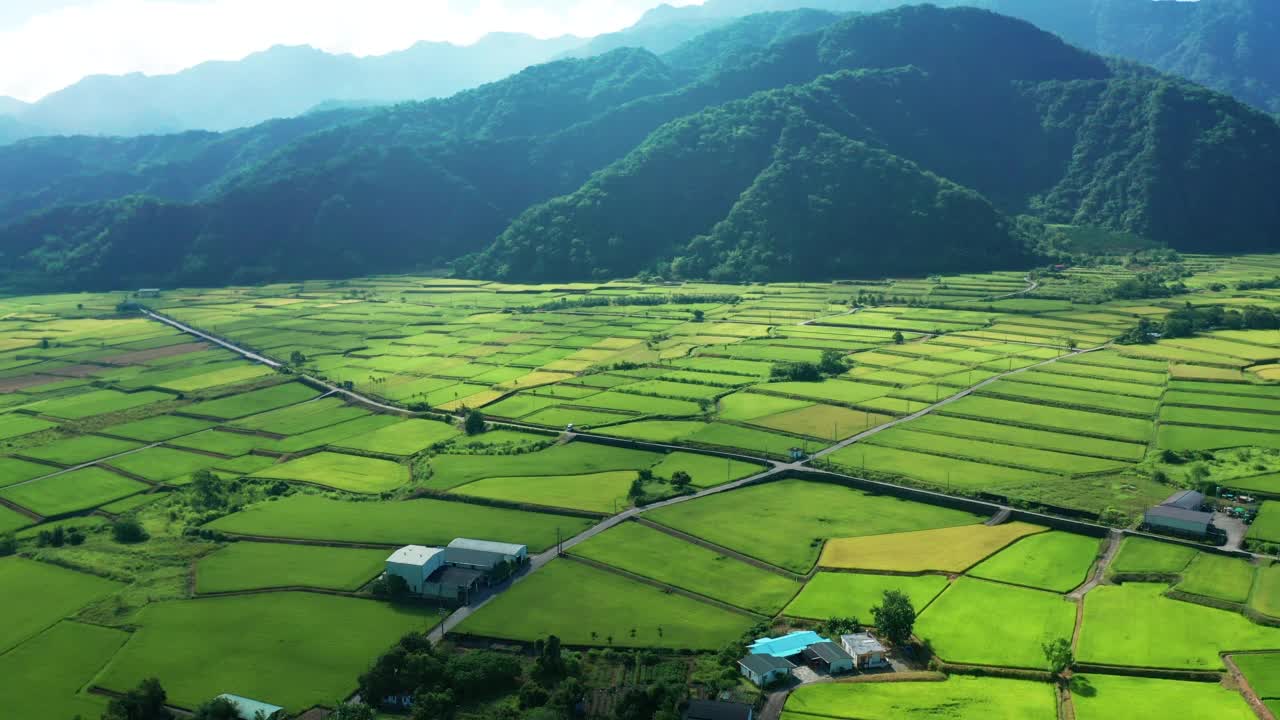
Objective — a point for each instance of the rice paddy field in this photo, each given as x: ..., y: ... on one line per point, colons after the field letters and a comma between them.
x: 968, y: 385
x: 1108, y: 696
x: 958, y: 698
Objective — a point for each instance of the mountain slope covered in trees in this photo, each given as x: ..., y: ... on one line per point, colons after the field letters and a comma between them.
x: 916, y: 140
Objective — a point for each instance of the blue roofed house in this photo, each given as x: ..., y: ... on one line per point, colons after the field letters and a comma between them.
x: 788, y: 645
x: 769, y: 659
x: 249, y: 709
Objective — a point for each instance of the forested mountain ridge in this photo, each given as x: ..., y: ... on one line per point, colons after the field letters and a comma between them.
x: 1077, y: 141
x: 929, y: 132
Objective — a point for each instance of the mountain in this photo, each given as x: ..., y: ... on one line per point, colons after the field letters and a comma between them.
x: 12, y: 106
x: 912, y: 141
x: 1226, y: 45
x: 278, y: 83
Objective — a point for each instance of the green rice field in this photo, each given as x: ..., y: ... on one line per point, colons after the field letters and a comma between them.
x: 1056, y: 561
x: 800, y: 515
x: 958, y: 698
x: 1133, y: 624
x: 76, y: 490
x: 1215, y: 576
x: 1100, y: 697
x: 353, y: 473
x: 843, y: 594
x: 958, y: 625
x: 1142, y: 555
x: 421, y: 522
x: 252, y: 566
x: 604, y: 610
x: 62, y: 592
x: 604, y: 492
x: 46, y: 675
x: 653, y: 554
x: 285, y: 658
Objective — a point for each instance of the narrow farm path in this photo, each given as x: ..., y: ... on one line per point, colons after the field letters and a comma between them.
x: 1255, y: 703
x: 1114, y: 539
x: 1077, y: 596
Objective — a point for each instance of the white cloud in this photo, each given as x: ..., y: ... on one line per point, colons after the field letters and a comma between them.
x: 57, y: 47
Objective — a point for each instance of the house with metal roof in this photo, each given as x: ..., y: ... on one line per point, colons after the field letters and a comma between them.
x: 828, y: 657
x: 1180, y: 515
x: 513, y: 552
x: 867, y: 651
x: 415, y: 563
x: 717, y: 710
x: 249, y: 709
x: 765, y: 669
x: 788, y: 645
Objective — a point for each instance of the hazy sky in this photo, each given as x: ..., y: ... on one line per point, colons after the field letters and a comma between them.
x: 46, y: 45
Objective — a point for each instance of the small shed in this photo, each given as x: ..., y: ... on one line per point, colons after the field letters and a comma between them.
x: 716, y: 710
x: 765, y: 669
x: 828, y: 657
x: 415, y: 564
x: 512, y: 551
x: 867, y: 651
x: 249, y: 709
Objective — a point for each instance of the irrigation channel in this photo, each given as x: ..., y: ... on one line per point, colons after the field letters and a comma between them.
x: 776, y: 470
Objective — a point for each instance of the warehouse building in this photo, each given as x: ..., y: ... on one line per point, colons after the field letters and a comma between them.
x: 415, y: 564
x: 1180, y: 515
x: 512, y: 552
x: 453, y: 573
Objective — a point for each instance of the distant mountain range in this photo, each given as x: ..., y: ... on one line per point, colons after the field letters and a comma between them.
x: 1228, y: 45
x: 791, y: 145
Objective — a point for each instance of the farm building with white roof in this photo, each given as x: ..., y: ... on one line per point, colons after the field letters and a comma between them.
x: 512, y: 551
x: 415, y: 563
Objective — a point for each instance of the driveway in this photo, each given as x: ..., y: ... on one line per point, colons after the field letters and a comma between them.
x: 1235, y: 529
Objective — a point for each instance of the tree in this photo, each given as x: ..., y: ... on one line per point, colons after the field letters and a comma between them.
x: 681, y: 480
x: 1059, y: 655
x: 44, y: 343
x: 145, y: 702
x: 699, y: 315
x: 474, y: 424
x: 550, y: 663
x: 439, y: 705
x: 8, y: 544
x: 217, y: 709
x: 206, y: 490
x: 353, y: 711
x: 128, y: 530
x: 296, y: 358
x: 833, y: 363
x: 899, y: 338
x: 895, y: 617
